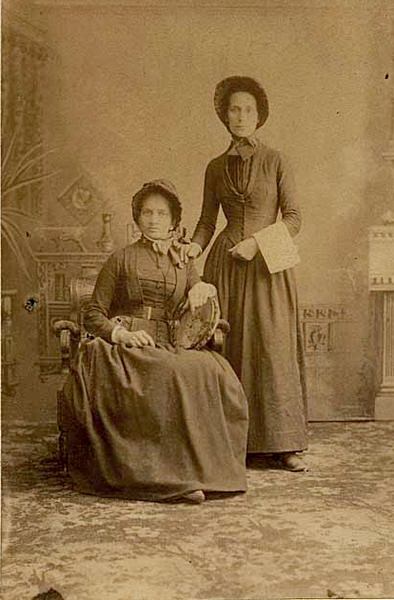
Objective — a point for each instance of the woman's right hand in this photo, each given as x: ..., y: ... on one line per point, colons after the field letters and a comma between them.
x: 198, y: 295
x: 189, y: 251
x: 134, y: 339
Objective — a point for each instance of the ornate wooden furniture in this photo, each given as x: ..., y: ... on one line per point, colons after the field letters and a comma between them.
x: 381, y: 284
x: 9, y: 379
x: 56, y: 271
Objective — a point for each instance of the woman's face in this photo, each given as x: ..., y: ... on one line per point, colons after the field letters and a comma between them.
x: 155, y: 218
x: 242, y: 114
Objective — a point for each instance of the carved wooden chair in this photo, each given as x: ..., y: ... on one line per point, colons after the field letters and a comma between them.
x: 72, y: 333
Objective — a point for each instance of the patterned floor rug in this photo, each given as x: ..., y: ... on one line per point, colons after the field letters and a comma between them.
x: 325, y: 533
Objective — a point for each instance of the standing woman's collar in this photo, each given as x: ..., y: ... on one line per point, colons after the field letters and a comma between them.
x: 243, y: 147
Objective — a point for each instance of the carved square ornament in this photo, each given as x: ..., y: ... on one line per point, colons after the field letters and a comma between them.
x: 317, y: 337
x: 82, y: 200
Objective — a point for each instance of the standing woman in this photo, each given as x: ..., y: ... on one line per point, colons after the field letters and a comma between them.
x: 251, y: 263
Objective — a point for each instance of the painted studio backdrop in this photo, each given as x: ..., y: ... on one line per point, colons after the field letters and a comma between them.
x: 97, y: 100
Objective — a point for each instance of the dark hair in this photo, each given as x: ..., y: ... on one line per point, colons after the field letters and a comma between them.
x: 167, y: 191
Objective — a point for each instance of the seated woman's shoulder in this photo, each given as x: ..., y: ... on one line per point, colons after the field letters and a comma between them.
x: 118, y: 255
x: 131, y: 246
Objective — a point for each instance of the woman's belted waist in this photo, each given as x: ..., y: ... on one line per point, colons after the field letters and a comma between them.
x: 151, y: 319
x: 150, y: 313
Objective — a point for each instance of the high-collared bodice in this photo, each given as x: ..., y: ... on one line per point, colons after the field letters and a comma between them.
x: 156, y: 275
x: 251, y: 195
x: 132, y: 279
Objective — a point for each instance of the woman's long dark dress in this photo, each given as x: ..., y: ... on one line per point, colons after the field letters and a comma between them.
x: 151, y: 423
x: 265, y: 343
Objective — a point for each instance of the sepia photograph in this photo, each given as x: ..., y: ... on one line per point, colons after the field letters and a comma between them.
x: 197, y: 299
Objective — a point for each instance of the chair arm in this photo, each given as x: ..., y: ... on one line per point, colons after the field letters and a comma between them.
x: 69, y: 334
x: 219, y: 335
x: 224, y: 326
x: 70, y: 326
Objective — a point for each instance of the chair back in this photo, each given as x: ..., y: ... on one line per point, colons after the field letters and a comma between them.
x: 81, y: 290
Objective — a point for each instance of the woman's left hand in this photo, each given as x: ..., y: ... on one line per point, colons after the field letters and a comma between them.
x: 245, y: 250
x: 199, y: 294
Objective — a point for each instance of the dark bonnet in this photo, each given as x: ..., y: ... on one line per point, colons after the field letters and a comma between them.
x: 238, y: 83
x: 158, y: 186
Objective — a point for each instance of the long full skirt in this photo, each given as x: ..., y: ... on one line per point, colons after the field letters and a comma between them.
x: 264, y: 346
x: 154, y: 423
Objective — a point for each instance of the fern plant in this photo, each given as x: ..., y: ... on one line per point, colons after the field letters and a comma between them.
x: 15, y: 177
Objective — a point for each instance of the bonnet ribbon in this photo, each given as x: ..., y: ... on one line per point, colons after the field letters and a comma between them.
x: 243, y: 147
x: 170, y: 246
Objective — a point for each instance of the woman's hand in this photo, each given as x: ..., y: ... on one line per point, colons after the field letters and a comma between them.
x: 199, y: 294
x: 245, y: 250
x: 134, y: 339
x: 189, y: 251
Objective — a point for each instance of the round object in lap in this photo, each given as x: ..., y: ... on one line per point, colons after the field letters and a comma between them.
x: 193, y: 330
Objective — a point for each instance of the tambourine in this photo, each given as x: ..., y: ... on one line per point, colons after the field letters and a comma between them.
x: 189, y: 330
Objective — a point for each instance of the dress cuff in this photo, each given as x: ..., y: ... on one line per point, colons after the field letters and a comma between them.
x: 277, y: 247
x: 115, y: 333
x: 199, y: 245
x: 212, y: 290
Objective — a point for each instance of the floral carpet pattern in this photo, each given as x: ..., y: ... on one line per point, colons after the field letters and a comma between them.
x: 325, y: 533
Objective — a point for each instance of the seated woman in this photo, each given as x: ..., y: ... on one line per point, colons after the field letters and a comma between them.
x: 145, y: 420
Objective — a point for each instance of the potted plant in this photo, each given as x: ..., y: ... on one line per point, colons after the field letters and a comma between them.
x: 17, y: 175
